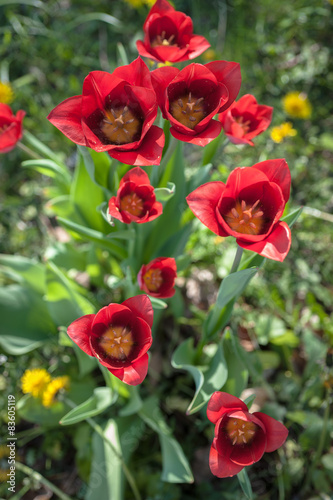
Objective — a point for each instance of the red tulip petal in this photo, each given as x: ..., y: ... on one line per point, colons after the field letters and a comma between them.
x: 113, y: 313
x: 67, y: 118
x: 143, y: 337
x: 136, y: 175
x: 277, y: 171
x: 203, y: 138
x: 136, y: 74
x: 229, y: 74
x: 222, y: 466
x: 6, y: 111
x: 276, y: 246
x: 148, y: 153
x: 198, y: 44
x: 135, y: 373
x: 161, y: 78
x: 10, y: 136
x: 161, y: 7
x: 141, y: 306
x: 221, y: 403
x: 276, y: 433
x: 203, y: 202
x: 80, y: 331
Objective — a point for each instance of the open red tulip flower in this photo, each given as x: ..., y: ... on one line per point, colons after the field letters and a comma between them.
x: 248, y: 207
x: 168, y: 35
x: 119, y: 336
x: 191, y: 97
x: 158, y: 277
x: 241, y: 438
x: 245, y: 119
x: 135, y: 200
x: 10, y: 128
x: 115, y: 113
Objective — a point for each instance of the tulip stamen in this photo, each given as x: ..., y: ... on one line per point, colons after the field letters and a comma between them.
x: 133, y: 204
x: 121, y: 125
x: 245, y: 218
x: 240, y: 432
x: 153, y: 279
x: 117, y: 342
x: 188, y: 110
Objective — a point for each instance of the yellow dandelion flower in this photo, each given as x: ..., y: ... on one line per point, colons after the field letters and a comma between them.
x: 53, y: 388
x: 284, y: 130
x: 297, y: 105
x: 6, y: 93
x: 34, y: 381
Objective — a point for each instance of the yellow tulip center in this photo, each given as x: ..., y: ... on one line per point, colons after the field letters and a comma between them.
x: 245, y: 218
x: 188, y: 110
x: 117, y: 342
x: 133, y: 204
x: 120, y: 125
x: 153, y: 279
x: 240, y: 432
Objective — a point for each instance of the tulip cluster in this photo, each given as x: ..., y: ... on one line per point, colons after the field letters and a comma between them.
x: 116, y: 114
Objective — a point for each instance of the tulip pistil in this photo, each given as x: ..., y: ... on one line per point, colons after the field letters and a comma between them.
x: 132, y: 204
x: 117, y: 342
x: 153, y: 279
x: 188, y: 110
x: 120, y: 125
x: 239, y: 431
x: 245, y: 218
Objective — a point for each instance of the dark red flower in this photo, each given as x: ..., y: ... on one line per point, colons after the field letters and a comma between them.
x: 190, y: 98
x: 115, y: 113
x: 168, y: 35
x: 158, y: 277
x: 241, y: 438
x: 248, y: 207
x: 245, y: 119
x: 119, y: 336
x: 135, y: 200
x: 10, y: 128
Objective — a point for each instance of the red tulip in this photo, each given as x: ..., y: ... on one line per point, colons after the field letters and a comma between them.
x: 169, y: 35
x: 115, y: 113
x: 248, y: 207
x: 10, y: 128
x: 245, y: 119
x: 241, y: 438
x: 135, y: 200
x: 119, y: 336
x: 190, y: 98
x: 158, y: 277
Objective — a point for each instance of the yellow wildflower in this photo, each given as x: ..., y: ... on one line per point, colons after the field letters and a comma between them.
x: 34, y: 381
x: 166, y: 63
x: 209, y: 55
x: 6, y: 93
x: 53, y: 388
x: 139, y: 3
x: 297, y: 105
x: 284, y: 130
